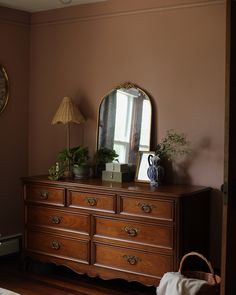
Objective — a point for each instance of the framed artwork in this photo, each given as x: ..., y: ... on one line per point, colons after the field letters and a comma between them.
x: 4, y: 88
x: 141, y: 171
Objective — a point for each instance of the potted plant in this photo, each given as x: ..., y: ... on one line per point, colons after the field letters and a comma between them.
x: 102, y: 156
x: 173, y: 146
x: 77, y: 157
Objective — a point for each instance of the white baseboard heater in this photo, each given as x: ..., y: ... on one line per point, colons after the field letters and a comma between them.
x: 10, y: 244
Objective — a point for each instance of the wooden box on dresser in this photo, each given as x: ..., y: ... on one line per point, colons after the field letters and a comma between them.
x: 112, y: 230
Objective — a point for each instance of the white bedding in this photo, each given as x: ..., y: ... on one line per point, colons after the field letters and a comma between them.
x: 174, y: 283
x: 7, y: 292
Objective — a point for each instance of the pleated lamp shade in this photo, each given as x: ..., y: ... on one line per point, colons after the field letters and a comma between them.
x: 68, y: 112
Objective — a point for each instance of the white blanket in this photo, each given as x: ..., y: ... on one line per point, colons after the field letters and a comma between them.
x: 174, y: 283
x: 7, y: 292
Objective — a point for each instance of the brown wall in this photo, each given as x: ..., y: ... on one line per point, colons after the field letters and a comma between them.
x: 14, y: 56
x: 176, y: 53
x: 175, y: 49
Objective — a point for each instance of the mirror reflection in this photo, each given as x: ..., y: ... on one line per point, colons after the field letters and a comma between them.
x: 124, y: 122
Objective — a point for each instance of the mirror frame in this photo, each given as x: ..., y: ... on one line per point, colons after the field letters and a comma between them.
x: 126, y: 86
x: 5, y: 90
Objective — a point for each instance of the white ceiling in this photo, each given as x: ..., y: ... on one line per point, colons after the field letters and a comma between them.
x: 40, y: 5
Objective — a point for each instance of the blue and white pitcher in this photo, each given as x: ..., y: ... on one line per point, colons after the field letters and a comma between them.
x: 155, y: 171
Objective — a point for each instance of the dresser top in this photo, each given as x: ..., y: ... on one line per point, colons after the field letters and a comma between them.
x: 177, y: 190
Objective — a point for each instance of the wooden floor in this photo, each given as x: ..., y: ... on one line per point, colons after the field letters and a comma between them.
x: 52, y: 280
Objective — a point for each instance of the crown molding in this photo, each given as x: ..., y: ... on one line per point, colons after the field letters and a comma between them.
x: 14, y: 16
x: 69, y: 15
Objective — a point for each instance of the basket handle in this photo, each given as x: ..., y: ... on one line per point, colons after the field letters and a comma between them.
x: 200, y: 256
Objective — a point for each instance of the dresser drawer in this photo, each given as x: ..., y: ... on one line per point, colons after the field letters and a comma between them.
x: 134, y: 261
x: 45, y: 194
x: 144, y: 233
x: 93, y: 201
x: 58, y: 219
x: 56, y: 245
x: 152, y: 208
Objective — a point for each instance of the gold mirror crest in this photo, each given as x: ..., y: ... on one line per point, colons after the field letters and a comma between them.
x: 126, y: 85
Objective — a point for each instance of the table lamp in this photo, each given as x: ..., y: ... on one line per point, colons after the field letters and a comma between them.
x: 68, y: 113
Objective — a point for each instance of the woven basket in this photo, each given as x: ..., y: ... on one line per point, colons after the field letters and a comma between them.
x: 212, y: 286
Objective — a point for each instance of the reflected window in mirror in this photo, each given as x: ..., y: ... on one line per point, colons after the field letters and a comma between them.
x: 124, y: 122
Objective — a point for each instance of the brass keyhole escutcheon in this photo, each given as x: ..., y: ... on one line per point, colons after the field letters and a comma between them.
x: 131, y: 231
x: 131, y: 259
x: 44, y: 195
x: 56, y: 219
x: 92, y: 201
x: 55, y: 245
x: 146, y: 208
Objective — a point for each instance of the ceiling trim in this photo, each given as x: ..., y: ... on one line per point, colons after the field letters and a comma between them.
x: 14, y: 17
x: 69, y: 19
x: 33, y: 6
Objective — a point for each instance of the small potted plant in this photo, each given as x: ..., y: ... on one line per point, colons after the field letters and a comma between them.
x: 173, y: 146
x: 102, y: 156
x: 77, y: 157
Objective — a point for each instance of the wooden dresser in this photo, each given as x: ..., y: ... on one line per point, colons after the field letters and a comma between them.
x: 112, y: 230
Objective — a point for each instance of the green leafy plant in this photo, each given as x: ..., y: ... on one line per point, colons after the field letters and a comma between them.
x: 105, y: 155
x: 173, y: 145
x: 76, y: 160
x: 102, y: 156
x: 75, y: 156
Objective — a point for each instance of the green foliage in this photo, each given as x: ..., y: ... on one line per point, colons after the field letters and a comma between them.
x: 105, y: 155
x: 64, y: 155
x: 173, y: 145
x: 76, y: 156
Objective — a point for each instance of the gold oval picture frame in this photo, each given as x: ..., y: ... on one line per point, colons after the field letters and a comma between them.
x: 4, y: 88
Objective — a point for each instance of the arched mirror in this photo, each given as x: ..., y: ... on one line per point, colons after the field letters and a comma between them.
x: 3, y: 88
x: 124, y: 122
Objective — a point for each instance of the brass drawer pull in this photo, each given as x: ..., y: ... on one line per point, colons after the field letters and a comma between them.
x: 147, y: 208
x: 132, y: 260
x: 55, y: 245
x: 92, y: 201
x: 56, y: 219
x: 131, y: 231
x: 44, y: 195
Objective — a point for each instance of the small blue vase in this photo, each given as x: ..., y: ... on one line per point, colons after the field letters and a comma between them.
x: 155, y: 171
